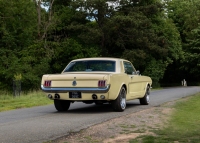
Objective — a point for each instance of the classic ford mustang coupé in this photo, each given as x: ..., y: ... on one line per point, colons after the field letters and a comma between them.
x: 97, y: 80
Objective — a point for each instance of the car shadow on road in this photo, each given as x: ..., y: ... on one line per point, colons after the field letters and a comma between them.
x: 92, y: 109
x: 104, y: 108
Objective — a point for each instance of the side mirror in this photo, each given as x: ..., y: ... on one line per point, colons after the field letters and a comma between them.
x: 138, y: 72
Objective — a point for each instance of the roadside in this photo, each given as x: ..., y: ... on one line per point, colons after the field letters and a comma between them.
x: 124, y: 128
x: 175, y: 122
x: 32, y: 99
x: 116, y: 129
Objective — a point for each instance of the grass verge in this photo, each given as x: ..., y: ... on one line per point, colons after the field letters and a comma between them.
x: 9, y: 102
x: 183, y: 126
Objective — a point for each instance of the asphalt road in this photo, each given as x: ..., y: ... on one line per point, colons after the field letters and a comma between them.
x: 44, y: 123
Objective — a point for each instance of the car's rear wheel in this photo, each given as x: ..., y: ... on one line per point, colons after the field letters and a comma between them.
x: 119, y: 104
x: 146, y: 99
x: 61, y: 105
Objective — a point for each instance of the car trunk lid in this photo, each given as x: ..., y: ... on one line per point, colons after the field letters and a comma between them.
x: 76, y: 79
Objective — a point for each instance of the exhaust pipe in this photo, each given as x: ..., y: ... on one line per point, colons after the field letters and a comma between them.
x: 57, y: 96
x: 50, y: 96
x: 94, y: 96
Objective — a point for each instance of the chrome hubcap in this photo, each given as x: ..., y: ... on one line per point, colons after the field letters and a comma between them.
x: 123, y: 99
x: 147, y: 96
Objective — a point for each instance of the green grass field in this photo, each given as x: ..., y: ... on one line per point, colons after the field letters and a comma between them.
x: 183, y: 127
x: 9, y: 102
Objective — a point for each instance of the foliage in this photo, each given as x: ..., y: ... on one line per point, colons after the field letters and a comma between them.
x: 145, y: 37
x: 68, y: 50
x: 17, y: 28
x: 185, y: 15
x: 67, y: 38
x: 149, y: 33
x: 17, y: 76
x: 192, y: 56
x: 155, y: 69
x: 34, y: 66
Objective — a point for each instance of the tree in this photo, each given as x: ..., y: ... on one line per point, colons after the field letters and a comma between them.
x: 185, y: 15
x: 143, y: 33
x: 64, y: 36
x: 35, y: 41
x: 192, y: 54
x: 17, y: 32
x: 139, y: 31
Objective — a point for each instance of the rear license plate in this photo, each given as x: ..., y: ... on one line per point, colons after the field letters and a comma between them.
x: 75, y: 95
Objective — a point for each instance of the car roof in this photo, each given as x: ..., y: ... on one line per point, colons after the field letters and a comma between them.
x: 100, y: 58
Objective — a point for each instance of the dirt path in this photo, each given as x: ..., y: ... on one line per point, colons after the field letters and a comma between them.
x: 124, y: 128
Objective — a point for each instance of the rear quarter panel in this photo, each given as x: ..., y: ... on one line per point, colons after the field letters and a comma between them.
x: 116, y: 82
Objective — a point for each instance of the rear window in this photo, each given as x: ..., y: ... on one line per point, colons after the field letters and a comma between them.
x: 90, y: 66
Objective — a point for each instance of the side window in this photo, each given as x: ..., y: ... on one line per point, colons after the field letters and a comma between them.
x: 129, y: 69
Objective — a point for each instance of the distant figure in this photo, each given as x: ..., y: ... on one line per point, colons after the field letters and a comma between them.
x: 184, y: 82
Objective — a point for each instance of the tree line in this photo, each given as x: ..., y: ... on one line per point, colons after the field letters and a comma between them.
x: 161, y: 38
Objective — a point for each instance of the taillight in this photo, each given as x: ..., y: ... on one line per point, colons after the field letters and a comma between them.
x: 101, y: 83
x: 47, y: 83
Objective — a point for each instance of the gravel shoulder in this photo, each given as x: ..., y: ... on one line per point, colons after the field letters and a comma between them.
x: 124, y: 128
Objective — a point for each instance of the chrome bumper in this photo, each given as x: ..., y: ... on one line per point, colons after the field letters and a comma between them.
x: 72, y: 89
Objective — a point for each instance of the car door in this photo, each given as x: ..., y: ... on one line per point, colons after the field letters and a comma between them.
x: 134, y: 83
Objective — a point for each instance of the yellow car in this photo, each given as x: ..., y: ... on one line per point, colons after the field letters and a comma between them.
x: 97, y: 80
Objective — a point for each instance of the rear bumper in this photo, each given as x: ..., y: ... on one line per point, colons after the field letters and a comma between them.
x: 72, y: 89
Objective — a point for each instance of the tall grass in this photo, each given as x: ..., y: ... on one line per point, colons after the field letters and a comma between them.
x: 183, y: 127
x: 36, y: 98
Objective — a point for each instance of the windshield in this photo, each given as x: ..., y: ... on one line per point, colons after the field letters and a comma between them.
x: 91, y: 65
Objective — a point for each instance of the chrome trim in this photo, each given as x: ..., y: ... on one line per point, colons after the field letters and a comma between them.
x: 71, y: 89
